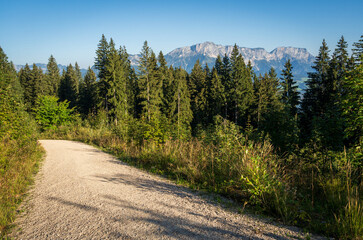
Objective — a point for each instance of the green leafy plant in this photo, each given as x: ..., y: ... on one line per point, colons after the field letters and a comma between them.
x: 49, y: 113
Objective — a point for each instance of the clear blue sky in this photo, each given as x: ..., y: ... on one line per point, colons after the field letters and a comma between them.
x: 30, y: 31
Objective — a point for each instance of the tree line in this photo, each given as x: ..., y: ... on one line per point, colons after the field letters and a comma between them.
x: 180, y: 105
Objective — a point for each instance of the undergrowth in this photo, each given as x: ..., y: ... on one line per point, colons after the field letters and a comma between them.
x: 19, y: 157
x: 319, y: 192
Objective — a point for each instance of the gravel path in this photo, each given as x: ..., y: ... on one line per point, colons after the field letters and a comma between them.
x: 83, y: 193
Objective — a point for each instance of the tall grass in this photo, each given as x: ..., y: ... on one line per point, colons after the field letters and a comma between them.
x: 19, y: 156
x: 318, y: 191
x: 18, y: 163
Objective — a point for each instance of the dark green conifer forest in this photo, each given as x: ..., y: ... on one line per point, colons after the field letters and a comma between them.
x: 256, y: 139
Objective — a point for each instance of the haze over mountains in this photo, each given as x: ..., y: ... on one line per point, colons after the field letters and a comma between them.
x: 261, y: 59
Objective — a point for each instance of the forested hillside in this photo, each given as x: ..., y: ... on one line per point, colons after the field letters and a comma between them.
x: 223, y: 128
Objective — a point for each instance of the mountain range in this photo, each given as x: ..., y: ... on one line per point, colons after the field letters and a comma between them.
x: 43, y: 66
x: 207, y: 53
x: 261, y: 60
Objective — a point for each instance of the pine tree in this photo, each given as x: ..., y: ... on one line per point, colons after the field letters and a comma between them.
x: 261, y: 96
x: 358, y: 51
x: 219, y: 65
x: 131, y: 82
x: 166, y: 78
x: 14, y: 123
x: 116, y: 78
x: 8, y: 74
x: 100, y: 64
x: 207, y: 72
x: 226, y: 79
x: 330, y: 123
x: 338, y: 66
x: 78, y: 74
x: 352, y: 105
x: 27, y: 85
x: 133, y: 92
x: 39, y: 85
x: 68, y: 89
x: 181, y: 112
x: 150, y: 86
x: 320, y: 120
x: 215, y: 96
x: 101, y: 56
x: 197, y: 88
x: 290, y: 95
x: 169, y: 93
x: 267, y: 95
x: 313, y: 104
x: 88, y: 93
x: 52, y: 76
x: 241, y: 91
x: 270, y: 116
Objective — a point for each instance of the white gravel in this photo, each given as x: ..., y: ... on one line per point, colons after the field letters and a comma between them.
x: 83, y: 193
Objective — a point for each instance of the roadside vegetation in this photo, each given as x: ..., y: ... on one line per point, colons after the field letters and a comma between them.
x: 254, y: 139
x: 19, y: 152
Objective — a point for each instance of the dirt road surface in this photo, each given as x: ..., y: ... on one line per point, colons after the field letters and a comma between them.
x: 83, y: 193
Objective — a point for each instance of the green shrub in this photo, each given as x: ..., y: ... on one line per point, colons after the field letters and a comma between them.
x: 19, y: 156
x: 49, y: 113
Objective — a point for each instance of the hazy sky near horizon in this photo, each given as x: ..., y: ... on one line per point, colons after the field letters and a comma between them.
x: 30, y: 31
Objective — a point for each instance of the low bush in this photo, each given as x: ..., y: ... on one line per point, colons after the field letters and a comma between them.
x: 19, y: 157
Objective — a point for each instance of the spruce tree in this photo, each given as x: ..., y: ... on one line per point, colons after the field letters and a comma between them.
x: 88, y: 93
x: 150, y: 86
x: 358, y: 51
x: 219, y: 65
x: 267, y: 95
x: 52, y: 76
x: 133, y: 92
x: 101, y: 56
x: 116, y: 78
x: 290, y: 95
x: 339, y: 65
x: 352, y: 105
x: 320, y: 120
x: 131, y: 82
x: 68, y: 89
x: 8, y: 74
x: 241, y: 91
x: 13, y: 121
x: 27, y: 85
x: 100, y: 64
x: 77, y: 69
x: 181, y: 112
x: 166, y: 78
x: 226, y: 79
x: 169, y: 93
x: 261, y: 97
x: 331, y: 124
x: 197, y: 87
x: 312, y: 104
x: 215, y: 96
x: 270, y: 117
x: 39, y: 85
